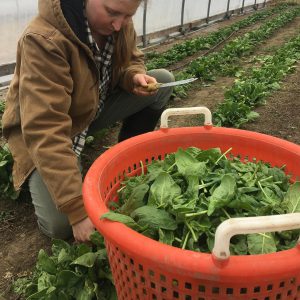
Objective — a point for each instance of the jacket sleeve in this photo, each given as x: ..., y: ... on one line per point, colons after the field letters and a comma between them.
x: 45, y: 99
x: 136, y: 63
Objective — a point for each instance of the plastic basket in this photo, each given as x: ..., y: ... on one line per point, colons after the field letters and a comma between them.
x: 146, y: 269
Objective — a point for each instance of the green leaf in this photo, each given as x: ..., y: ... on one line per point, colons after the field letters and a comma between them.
x: 163, y: 190
x: 67, y: 279
x: 154, y: 218
x: 135, y: 200
x: 188, y: 165
x: 292, y: 198
x: 45, y: 263
x: 261, y: 243
x: 97, y: 239
x: 63, y: 256
x: 222, y: 194
x: 45, y: 281
x: 116, y: 217
x: 38, y: 296
x: 86, y: 260
x: 166, y: 236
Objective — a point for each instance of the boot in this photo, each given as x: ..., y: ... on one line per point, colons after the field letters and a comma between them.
x: 140, y: 122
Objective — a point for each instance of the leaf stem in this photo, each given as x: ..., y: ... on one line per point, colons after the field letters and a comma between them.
x: 191, y: 230
x: 226, y: 213
x: 223, y: 155
x: 203, y: 212
x: 142, y: 166
x: 169, y: 169
x: 185, y: 240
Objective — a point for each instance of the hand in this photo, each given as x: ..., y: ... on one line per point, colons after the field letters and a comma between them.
x: 140, y: 82
x: 82, y: 230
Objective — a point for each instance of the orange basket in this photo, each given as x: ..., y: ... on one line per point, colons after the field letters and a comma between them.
x: 143, y: 268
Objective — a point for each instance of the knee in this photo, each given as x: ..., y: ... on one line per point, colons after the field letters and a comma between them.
x: 161, y: 75
x: 57, y: 229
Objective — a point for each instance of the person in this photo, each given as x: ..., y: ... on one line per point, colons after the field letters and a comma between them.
x: 78, y: 70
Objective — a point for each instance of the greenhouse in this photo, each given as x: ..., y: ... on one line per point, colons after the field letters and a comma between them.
x: 150, y: 149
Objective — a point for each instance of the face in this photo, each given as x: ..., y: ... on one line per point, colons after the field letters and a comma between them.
x: 107, y: 16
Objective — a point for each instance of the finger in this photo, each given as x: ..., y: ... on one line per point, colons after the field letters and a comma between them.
x: 144, y: 92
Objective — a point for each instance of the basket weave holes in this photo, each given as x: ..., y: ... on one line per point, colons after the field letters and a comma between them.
x: 201, y: 288
x: 188, y: 285
x: 175, y: 283
x: 133, y: 273
x: 293, y: 280
x: 175, y: 295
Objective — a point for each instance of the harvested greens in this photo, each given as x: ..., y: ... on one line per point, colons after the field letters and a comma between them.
x: 181, y: 200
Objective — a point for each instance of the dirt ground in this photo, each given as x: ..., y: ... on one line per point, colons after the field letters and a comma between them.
x: 20, y: 240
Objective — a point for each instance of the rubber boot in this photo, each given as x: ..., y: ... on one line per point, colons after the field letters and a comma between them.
x: 140, y: 122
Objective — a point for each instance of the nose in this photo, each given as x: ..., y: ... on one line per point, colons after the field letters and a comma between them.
x: 117, y: 24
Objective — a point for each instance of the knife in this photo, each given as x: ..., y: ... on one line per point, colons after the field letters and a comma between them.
x: 155, y: 86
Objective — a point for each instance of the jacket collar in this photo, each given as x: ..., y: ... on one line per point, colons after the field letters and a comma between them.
x: 67, y: 16
x: 73, y: 13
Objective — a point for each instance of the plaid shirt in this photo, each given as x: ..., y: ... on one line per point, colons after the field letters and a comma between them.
x: 103, y: 59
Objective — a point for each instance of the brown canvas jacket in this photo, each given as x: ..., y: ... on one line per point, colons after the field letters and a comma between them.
x: 54, y: 96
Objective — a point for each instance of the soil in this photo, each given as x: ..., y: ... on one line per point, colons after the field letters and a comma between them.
x: 20, y: 238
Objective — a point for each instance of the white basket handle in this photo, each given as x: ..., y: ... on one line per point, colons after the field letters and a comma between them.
x: 227, y: 229
x: 185, y: 111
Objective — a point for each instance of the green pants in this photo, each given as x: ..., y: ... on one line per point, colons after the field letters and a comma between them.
x: 118, y: 106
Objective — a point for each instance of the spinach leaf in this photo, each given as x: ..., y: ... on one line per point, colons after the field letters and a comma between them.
x: 222, y: 194
x: 163, y: 190
x: 154, y: 218
x: 261, y: 243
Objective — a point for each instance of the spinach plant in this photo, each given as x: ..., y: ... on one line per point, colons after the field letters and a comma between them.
x: 6, y: 182
x: 71, y: 272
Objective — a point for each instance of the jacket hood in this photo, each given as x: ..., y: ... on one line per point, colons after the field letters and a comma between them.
x: 65, y: 15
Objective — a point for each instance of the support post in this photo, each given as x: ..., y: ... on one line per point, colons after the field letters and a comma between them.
x: 243, y: 6
x: 182, y: 17
x: 208, y: 11
x: 145, y: 42
x: 227, y: 16
x: 255, y: 5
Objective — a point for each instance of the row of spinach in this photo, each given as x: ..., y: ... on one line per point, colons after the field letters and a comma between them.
x: 252, y: 87
x: 182, y: 50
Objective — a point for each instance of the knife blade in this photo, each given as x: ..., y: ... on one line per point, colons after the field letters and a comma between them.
x: 155, y: 86
x: 179, y: 82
